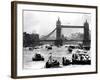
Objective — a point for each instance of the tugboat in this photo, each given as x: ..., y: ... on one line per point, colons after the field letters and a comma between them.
x: 51, y: 63
x: 38, y: 57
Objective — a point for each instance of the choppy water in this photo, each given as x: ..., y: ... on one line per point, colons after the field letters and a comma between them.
x: 57, y: 53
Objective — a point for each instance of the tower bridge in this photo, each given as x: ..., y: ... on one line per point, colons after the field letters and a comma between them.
x: 59, y: 41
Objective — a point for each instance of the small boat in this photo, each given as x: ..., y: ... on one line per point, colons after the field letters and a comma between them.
x: 65, y: 61
x: 52, y: 64
x: 38, y: 57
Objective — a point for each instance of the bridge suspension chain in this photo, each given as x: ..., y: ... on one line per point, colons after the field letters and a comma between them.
x: 45, y: 37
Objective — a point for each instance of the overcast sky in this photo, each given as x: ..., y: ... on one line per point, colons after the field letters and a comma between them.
x: 44, y: 22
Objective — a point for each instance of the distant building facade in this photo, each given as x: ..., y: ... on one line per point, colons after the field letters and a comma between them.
x: 30, y: 40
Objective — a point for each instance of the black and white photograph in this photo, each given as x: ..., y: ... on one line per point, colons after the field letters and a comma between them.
x: 56, y: 39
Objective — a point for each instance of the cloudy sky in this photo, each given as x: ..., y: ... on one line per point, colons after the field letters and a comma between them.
x: 43, y: 23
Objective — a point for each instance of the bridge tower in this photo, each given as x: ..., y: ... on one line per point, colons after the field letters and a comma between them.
x: 58, y: 41
x: 86, y: 37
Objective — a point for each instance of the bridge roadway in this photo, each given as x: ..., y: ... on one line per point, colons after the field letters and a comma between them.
x: 55, y: 40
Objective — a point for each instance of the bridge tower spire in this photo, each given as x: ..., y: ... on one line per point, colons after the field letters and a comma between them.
x: 58, y: 28
x: 58, y: 33
x: 86, y: 38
